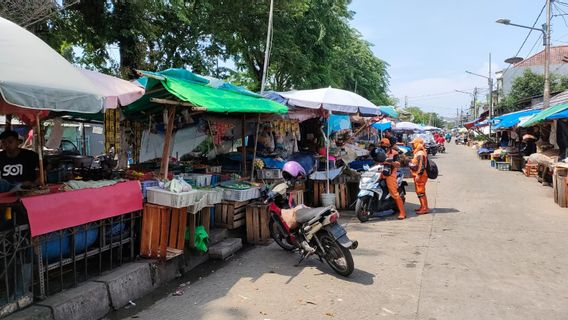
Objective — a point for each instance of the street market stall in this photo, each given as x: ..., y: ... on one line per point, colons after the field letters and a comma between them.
x: 51, y: 232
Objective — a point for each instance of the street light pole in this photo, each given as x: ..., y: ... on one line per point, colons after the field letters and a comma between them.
x: 546, y: 41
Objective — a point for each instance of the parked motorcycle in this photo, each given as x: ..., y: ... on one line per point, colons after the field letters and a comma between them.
x: 314, y: 231
x: 374, y: 196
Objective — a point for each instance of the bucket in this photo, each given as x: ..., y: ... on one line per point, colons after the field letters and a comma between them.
x: 328, y: 199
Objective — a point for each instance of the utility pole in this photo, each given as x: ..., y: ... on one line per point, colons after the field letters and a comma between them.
x: 490, y: 80
x: 405, y: 102
x: 457, y: 117
x: 267, y: 51
x: 546, y: 96
x: 475, y: 103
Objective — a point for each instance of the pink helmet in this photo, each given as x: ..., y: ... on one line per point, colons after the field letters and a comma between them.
x: 292, y: 170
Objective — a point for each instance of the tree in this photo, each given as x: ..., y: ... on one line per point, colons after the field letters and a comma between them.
x: 313, y: 44
x: 425, y: 118
x: 529, y: 85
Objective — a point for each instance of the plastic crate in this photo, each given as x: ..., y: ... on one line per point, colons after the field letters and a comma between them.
x: 269, y: 174
x: 241, y: 195
x: 199, y: 180
x: 213, y: 169
x: 148, y: 184
x: 503, y: 166
x: 171, y: 199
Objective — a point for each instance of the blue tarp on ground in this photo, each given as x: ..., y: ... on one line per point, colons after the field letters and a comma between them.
x: 510, y: 120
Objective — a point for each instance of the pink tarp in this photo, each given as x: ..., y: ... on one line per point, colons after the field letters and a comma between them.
x: 115, y: 90
x: 52, y: 212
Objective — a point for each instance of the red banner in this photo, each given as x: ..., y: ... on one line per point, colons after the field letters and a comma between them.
x: 52, y: 212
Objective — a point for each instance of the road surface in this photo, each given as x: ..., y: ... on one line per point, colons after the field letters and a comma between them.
x: 494, y: 248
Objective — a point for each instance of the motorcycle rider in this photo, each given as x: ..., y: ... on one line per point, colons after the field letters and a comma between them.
x: 393, y: 163
x: 418, y: 168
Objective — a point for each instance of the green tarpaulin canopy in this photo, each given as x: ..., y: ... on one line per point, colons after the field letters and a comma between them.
x: 196, y: 90
x: 541, y: 116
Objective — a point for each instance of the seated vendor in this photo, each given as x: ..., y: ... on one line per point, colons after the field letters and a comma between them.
x: 17, y: 165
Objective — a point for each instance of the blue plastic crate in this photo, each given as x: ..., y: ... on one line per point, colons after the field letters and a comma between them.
x: 148, y: 184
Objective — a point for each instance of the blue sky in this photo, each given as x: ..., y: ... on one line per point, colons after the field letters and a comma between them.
x: 430, y: 44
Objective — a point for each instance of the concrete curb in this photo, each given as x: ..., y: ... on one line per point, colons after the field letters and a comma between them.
x: 89, y: 301
x: 127, y: 283
x: 94, y: 299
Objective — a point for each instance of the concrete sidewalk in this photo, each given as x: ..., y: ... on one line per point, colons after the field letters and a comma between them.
x: 493, y: 249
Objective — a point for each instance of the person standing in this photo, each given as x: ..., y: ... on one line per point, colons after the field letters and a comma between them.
x: 393, y: 162
x: 418, y: 168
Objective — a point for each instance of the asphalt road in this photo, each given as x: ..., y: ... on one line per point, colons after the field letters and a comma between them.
x: 494, y: 248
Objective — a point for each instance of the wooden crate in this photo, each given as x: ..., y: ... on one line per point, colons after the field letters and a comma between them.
x: 257, y: 218
x: 230, y: 214
x: 298, y: 196
x: 163, y: 231
x: 531, y: 170
x: 201, y: 218
x: 340, y: 190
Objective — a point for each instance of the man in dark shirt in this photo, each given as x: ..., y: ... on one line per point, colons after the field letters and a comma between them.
x: 17, y: 165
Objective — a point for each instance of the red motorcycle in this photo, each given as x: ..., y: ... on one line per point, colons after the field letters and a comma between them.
x: 310, y: 230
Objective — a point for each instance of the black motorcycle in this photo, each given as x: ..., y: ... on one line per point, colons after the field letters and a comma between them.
x: 311, y: 231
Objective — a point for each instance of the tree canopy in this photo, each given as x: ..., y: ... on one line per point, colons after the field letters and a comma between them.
x: 529, y: 85
x: 313, y: 43
x: 425, y: 118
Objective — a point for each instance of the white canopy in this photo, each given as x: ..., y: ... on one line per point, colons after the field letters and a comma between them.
x: 407, y: 126
x: 115, y: 90
x: 34, y: 76
x: 331, y: 99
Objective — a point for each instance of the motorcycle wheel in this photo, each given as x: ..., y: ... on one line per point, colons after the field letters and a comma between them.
x: 362, y: 208
x: 278, y: 237
x: 337, y: 257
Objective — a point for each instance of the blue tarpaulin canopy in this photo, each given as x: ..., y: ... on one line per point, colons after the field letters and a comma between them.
x: 382, y: 125
x: 559, y: 115
x: 510, y: 120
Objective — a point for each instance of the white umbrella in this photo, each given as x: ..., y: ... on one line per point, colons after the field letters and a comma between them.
x: 115, y: 90
x: 34, y: 76
x: 407, y: 126
x: 331, y: 99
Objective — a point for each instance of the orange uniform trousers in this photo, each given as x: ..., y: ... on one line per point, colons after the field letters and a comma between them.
x: 392, y: 184
x: 420, y: 183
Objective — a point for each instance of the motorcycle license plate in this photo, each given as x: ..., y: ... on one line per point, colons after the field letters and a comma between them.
x: 337, y: 231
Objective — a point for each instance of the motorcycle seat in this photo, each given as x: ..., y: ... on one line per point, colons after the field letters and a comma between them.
x: 307, y: 214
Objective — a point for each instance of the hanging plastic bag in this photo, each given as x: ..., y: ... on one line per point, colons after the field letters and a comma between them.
x: 201, y: 239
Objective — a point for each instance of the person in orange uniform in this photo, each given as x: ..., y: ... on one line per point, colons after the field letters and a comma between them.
x: 418, y: 168
x: 392, y: 185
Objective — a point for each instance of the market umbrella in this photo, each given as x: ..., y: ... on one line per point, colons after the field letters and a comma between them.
x: 34, y: 76
x: 34, y: 79
x: 116, y: 91
x: 462, y: 130
x: 407, y: 126
x: 332, y: 100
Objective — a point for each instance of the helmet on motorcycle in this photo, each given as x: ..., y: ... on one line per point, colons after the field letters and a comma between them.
x: 385, y: 142
x: 379, y: 155
x: 292, y: 170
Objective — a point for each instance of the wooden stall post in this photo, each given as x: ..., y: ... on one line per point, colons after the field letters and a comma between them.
x: 244, y: 149
x: 255, y: 147
x: 40, y: 151
x: 167, y: 142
